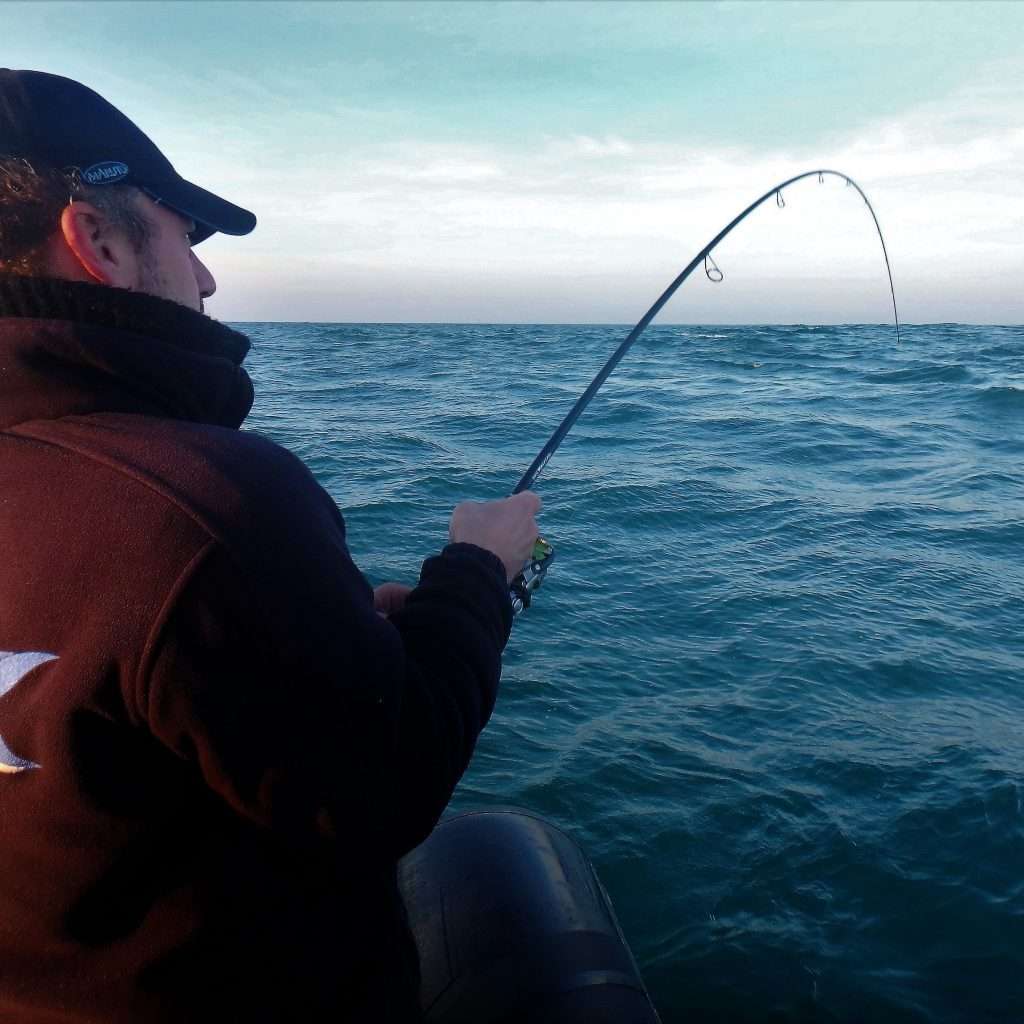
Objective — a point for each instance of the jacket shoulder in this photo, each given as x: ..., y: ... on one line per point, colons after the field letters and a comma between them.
x: 231, y: 483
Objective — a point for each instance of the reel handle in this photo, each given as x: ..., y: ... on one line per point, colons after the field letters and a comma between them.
x: 521, y: 588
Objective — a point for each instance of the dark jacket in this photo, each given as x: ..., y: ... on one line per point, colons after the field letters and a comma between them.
x: 212, y: 749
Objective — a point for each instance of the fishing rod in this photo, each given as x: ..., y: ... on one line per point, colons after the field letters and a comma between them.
x: 522, y: 587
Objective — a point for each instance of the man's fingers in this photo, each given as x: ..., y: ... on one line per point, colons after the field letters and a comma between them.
x: 530, y: 500
x: 506, y: 527
x: 390, y: 597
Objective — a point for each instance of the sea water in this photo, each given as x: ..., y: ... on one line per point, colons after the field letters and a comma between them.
x: 774, y: 683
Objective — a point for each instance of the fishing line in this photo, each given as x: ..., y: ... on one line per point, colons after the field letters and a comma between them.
x: 527, y: 581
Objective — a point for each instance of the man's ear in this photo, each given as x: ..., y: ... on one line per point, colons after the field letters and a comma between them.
x: 102, y: 251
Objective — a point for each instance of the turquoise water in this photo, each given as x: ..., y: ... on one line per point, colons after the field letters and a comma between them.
x: 773, y: 683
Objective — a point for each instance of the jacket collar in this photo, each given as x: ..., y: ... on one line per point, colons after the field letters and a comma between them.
x: 71, y: 348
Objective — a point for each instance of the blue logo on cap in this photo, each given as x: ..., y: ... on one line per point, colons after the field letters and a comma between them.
x: 109, y: 172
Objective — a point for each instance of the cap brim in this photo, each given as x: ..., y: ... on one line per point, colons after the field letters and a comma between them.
x: 210, y: 212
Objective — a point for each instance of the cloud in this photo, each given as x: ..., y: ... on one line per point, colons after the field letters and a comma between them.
x: 447, y: 172
x: 609, y: 218
x: 589, y: 146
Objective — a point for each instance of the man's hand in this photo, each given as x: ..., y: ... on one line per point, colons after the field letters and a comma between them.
x: 506, y: 527
x: 389, y: 598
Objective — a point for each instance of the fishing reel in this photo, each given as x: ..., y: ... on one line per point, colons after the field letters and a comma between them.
x: 522, y: 587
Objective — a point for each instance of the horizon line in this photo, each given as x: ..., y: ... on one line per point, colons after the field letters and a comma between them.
x: 623, y: 323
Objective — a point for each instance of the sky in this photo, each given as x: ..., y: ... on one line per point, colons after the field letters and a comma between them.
x: 561, y: 162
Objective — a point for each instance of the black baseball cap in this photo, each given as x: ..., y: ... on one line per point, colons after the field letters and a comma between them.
x: 67, y: 125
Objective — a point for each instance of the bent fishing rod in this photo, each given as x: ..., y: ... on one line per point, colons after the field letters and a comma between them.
x: 522, y: 587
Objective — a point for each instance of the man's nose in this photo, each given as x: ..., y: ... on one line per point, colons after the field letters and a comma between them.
x: 207, y: 285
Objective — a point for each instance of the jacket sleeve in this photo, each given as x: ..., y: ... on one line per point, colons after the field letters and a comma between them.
x: 305, y: 710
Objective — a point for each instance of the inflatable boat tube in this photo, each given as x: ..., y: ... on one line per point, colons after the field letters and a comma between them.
x: 513, y: 925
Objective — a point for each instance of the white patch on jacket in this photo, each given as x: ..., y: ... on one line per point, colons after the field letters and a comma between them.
x: 13, y: 668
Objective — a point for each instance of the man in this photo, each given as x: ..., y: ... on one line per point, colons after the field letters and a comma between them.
x: 215, y: 739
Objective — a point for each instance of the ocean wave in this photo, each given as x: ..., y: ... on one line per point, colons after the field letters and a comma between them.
x: 950, y: 373
x: 1003, y: 399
